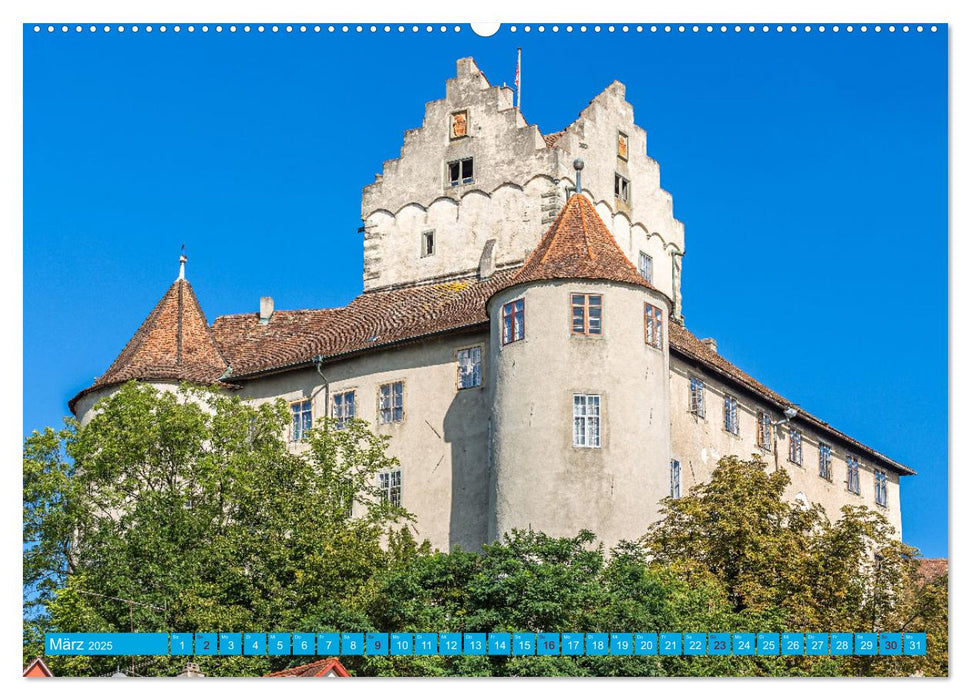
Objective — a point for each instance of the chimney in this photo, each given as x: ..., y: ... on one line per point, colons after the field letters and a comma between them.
x: 710, y: 344
x: 266, y: 309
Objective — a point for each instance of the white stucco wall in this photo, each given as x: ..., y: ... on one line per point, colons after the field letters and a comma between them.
x: 699, y: 444
x: 541, y: 480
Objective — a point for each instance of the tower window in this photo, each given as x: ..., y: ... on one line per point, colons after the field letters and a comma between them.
x: 469, y: 367
x: 427, y: 243
x: 302, y: 419
x: 675, y: 479
x: 587, y: 314
x: 621, y: 187
x: 390, y: 485
x: 826, y: 462
x: 880, y: 487
x: 795, y: 446
x: 391, y: 402
x: 652, y: 325
x: 731, y: 414
x: 459, y: 172
x: 645, y: 265
x: 852, y: 474
x: 697, y: 397
x: 343, y: 409
x: 765, y: 430
x: 586, y: 420
x: 513, y: 321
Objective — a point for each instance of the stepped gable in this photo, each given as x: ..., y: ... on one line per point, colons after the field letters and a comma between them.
x: 578, y: 245
x: 372, y: 320
x: 174, y: 343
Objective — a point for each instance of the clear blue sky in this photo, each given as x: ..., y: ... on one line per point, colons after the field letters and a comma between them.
x: 810, y: 171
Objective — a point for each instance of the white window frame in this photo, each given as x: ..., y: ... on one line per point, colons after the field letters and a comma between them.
x: 853, y: 474
x: 621, y: 188
x: 649, y: 276
x: 393, y: 403
x: 302, y: 419
x: 587, y: 424
x: 880, y: 487
x: 731, y: 414
x: 390, y: 485
x: 825, y: 462
x: 339, y: 407
x: 462, y: 180
x: 696, y: 396
x: 469, y: 367
x: 795, y: 445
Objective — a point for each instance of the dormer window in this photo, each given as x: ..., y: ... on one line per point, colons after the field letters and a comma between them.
x: 621, y: 187
x: 459, y: 172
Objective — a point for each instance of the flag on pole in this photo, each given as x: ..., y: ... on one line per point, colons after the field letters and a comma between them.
x: 519, y: 93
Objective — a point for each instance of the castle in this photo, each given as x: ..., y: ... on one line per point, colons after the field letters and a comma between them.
x: 519, y: 337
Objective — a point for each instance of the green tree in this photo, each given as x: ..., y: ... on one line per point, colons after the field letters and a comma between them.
x: 194, y: 508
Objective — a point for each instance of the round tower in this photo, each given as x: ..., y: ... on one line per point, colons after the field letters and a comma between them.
x: 581, y: 407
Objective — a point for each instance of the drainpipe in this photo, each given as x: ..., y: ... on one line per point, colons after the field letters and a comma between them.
x: 318, y: 361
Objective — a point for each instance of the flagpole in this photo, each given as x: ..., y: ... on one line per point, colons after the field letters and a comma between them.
x: 519, y: 81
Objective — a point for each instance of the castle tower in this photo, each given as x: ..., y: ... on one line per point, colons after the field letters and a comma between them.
x: 581, y: 406
x: 476, y: 186
x: 174, y: 344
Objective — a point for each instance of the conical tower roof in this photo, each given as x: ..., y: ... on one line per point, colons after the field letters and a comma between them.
x: 174, y: 343
x: 578, y: 245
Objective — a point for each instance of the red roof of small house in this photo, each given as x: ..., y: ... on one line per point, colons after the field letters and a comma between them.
x: 316, y: 669
x: 37, y: 669
x: 931, y: 569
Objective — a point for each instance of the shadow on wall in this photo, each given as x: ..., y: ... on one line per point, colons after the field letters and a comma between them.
x: 467, y: 434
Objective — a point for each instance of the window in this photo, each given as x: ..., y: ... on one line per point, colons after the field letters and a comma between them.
x: 645, y: 265
x: 795, y: 446
x: 825, y: 462
x: 427, y: 244
x: 470, y: 367
x: 622, y: 144
x: 765, y: 430
x: 343, y: 409
x: 390, y: 485
x: 698, y: 397
x: 731, y: 414
x: 652, y: 325
x: 459, y: 172
x: 675, y: 479
x: 302, y: 414
x: 586, y: 420
x: 852, y: 474
x: 513, y: 326
x: 391, y: 402
x: 587, y: 314
x: 621, y: 187
x: 880, y: 487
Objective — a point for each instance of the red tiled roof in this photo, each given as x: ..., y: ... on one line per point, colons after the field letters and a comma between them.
x: 315, y: 669
x: 551, y: 139
x: 174, y: 343
x: 578, y: 245
x: 931, y: 569
x: 37, y: 669
x: 685, y: 343
x: 372, y: 320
